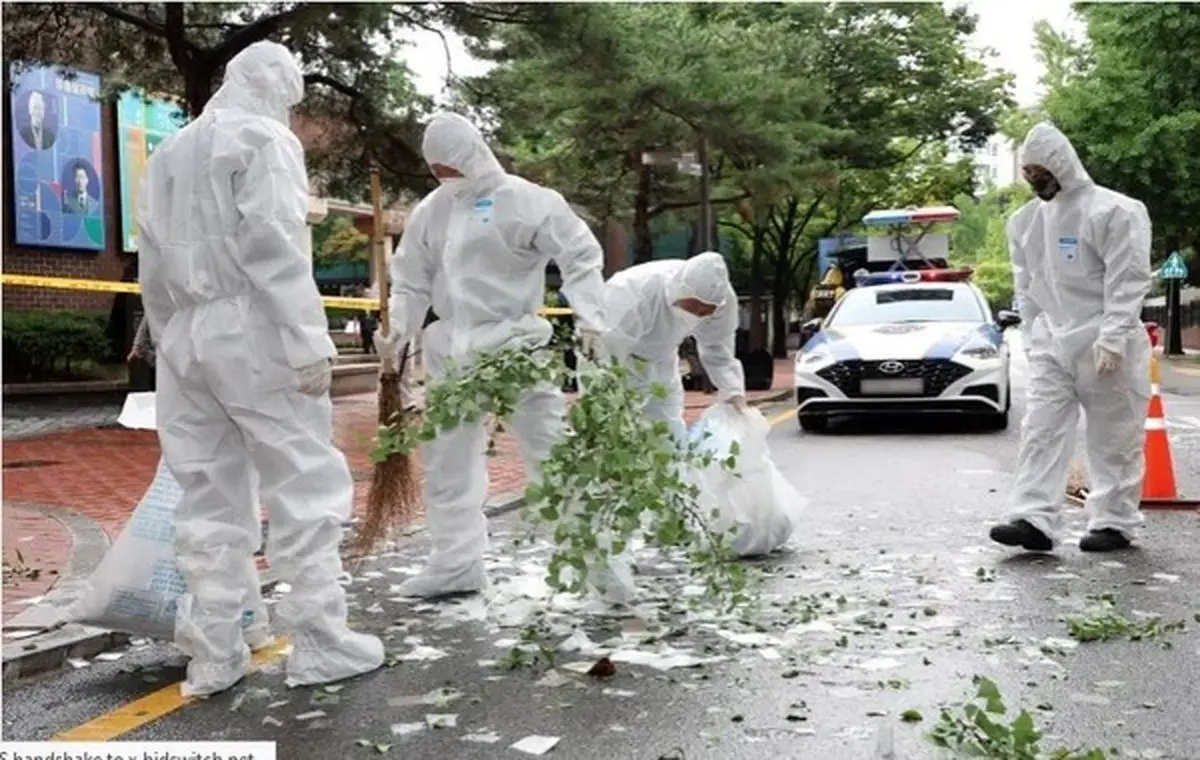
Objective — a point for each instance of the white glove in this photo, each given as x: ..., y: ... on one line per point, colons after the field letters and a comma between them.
x: 591, y: 344
x: 315, y: 379
x: 388, y: 345
x: 738, y: 402
x: 1106, y: 361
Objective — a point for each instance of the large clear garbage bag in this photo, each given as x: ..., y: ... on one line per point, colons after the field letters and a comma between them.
x: 754, y: 500
x: 138, y: 585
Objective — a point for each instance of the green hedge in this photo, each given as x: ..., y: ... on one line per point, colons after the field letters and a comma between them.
x: 50, y: 345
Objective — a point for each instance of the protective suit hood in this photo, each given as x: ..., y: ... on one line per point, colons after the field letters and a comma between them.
x: 263, y: 79
x: 1046, y: 146
x: 703, y: 277
x: 451, y: 140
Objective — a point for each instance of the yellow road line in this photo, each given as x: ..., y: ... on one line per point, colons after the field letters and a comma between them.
x: 151, y: 707
x: 782, y: 417
x: 1186, y: 371
x: 112, y: 286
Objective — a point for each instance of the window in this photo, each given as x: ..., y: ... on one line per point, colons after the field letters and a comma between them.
x: 874, y: 305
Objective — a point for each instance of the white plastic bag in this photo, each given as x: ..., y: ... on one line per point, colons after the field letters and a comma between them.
x: 754, y: 498
x: 138, y: 585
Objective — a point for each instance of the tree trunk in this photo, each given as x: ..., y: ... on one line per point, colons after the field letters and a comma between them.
x: 758, y: 339
x: 643, y: 242
x: 781, y: 296
x: 198, y: 85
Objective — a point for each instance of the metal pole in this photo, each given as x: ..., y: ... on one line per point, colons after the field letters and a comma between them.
x: 1174, y: 345
x: 706, y: 243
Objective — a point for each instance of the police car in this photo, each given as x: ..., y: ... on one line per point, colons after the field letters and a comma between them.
x: 907, y: 341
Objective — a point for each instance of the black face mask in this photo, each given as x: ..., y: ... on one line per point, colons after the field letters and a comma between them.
x: 1045, y: 186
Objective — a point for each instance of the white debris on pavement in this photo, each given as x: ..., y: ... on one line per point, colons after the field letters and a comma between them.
x: 536, y: 745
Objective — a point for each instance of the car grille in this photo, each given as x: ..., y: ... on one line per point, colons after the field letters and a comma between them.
x: 938, y: 374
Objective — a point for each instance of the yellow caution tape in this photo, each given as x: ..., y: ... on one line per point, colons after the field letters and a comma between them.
x: 112, y: 286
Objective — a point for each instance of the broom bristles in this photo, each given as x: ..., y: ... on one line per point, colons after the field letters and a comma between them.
x: 395, y: 495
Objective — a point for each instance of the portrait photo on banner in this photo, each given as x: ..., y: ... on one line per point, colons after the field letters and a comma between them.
x: 57, y: 166
x: 142, y: 123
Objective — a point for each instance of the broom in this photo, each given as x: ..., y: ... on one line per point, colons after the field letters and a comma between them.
x: 395, y: 487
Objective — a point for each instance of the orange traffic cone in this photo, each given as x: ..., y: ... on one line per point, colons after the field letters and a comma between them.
x: 1158, y: 483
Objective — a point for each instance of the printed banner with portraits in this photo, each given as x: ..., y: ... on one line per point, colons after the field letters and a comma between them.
x: 58, y: 172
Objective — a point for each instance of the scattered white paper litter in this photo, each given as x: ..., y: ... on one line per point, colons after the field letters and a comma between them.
x: 441, y: 720
x: 78, y: 663
x: 770, y: 653
x: 482, y: 737
x: 404, y: 729
x: 880, y: 663
x: 311, y: 715
x: 535, y: 745
x: 667, y: 660
x: 270, y: 720
x: 110, y: 656
x: 423, y: 654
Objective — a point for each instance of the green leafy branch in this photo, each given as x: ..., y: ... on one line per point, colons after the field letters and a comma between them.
x: 613, y: 476
x: 487, y: 391
x: 979, y: 729
x: 616, y: 476
x: 1105, y: 623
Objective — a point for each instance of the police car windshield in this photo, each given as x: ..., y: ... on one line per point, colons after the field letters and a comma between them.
x: 873, y: 306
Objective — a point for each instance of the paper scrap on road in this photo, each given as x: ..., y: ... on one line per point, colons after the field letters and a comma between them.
x: 441, y: 720
x: 311, y: 715
x: 423, y: 653
x: 536, y: 745
x: 404, y: 729
x: 482, y: 737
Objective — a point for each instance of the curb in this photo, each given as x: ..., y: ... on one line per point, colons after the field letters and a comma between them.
x: 52, y: 649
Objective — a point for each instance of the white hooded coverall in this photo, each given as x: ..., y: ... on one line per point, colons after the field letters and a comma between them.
x: 645, y: 324
x: 1081, y: 264
x: 243, y: 378
x: 476, y: 248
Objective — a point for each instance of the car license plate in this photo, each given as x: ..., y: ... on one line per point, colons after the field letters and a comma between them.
x: 898, y: 386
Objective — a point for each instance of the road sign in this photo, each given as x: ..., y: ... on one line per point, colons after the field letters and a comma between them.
x: 1174, y: 268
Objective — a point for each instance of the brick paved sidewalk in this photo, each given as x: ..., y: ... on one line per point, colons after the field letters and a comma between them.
x: 101, y: 474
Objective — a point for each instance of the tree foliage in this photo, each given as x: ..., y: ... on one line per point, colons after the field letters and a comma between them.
x: 978, y: 239
x: 1129, y: 99
x: 813, y: 113
x: 335, y: 240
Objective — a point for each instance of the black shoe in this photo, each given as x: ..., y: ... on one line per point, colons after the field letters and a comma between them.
x: 1107, y: 540
x: 1021, y: 533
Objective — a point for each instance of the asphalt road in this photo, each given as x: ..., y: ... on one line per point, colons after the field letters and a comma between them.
x: 892, y: 600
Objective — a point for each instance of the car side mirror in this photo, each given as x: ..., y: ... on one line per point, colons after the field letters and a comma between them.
x: 1006, y: 319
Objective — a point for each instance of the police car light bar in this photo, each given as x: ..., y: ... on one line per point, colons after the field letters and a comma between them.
x: 903, y: 216
x: 912, y: 275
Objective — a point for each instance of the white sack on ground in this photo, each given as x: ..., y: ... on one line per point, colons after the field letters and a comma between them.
x: 755, y: 497
x: 137, y: 586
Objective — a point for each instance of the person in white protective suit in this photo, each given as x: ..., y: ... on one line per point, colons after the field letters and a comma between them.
x: 1081, y: 261
x: 244, y: 369
x: 476, y: 248
x: 651, y: 308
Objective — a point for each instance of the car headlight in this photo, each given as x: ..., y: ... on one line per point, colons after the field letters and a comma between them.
x: 980, y: 351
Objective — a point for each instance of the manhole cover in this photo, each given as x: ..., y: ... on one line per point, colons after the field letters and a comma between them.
x: 27, y: 464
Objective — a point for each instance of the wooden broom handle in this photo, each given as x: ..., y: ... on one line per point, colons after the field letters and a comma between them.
x: 379, y: 250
